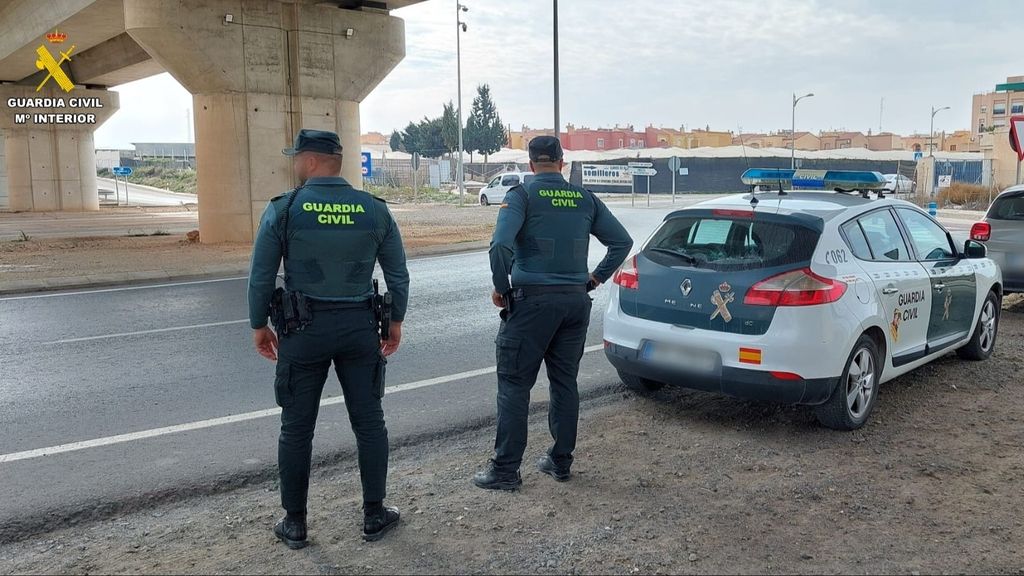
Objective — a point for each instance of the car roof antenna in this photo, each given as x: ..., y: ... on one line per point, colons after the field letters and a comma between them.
x: 781, y: 191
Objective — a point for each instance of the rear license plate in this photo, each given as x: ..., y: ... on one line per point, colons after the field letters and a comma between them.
x: 679, y: 357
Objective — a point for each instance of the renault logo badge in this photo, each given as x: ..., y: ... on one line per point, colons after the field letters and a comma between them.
x: 686, y: 286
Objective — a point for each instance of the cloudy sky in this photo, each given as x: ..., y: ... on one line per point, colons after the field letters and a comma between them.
x: 727, y: 64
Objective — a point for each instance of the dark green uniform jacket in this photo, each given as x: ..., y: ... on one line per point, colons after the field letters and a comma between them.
x: 543, y: 235
x: 335, y: 235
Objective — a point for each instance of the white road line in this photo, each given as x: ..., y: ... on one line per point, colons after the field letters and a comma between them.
x: 202, y: 424
x: 154, y: 331
x: 123, y: 289
x: 196, y: 282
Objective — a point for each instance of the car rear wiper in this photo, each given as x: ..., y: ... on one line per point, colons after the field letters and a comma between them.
x: 682, y: 255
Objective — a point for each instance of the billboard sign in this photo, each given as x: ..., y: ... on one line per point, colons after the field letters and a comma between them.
x: 607, y: 175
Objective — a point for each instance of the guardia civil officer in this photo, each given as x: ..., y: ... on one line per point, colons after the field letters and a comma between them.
x: 541, y: 241
x: 329, y: 235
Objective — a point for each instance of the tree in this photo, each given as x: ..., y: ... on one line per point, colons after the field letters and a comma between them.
x: 450, y: 128
x: 396, y: 142
x: 411, y: 138
x: 484, y: 128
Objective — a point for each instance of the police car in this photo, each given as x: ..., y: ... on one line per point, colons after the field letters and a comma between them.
x: 813, y: 293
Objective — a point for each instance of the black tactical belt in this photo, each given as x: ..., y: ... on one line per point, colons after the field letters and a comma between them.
x: 324, y: 305
x: 527, y: 291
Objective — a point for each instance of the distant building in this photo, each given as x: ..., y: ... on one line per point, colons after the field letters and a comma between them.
x: 109, y: 157
x: 961, y: 141
x: 681, y: 138
x: 840, y: 140
x: 518, y: 140
x: 602, y: 138
x: 884, y: 142
x: 374, y: 139
x: 992, y: 110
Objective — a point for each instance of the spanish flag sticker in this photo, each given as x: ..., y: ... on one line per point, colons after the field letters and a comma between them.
x: 750, y: 356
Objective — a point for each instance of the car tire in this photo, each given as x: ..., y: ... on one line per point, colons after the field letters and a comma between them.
x: 638, y: 384
x: 484, y: 201
x: 854, y: 397
x: 983, y: 341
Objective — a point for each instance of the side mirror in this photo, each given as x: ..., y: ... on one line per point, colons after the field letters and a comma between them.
x: 974, y: 250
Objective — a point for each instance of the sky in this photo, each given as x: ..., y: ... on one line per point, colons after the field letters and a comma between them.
x: 727, y: 64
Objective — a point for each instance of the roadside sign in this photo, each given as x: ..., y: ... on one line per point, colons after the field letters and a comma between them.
x: 641, y: 165
x: 1017, y: 136
x: 684, y: 171
x: 945, y: 180
x: 367, y: 165
x: 415, y: 160
x: 643, y: 171
x: 122, y: 170
x: 674, y: 163
x: 918, y: 155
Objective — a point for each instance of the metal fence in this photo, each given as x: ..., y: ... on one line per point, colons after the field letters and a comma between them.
x: 965, y: 171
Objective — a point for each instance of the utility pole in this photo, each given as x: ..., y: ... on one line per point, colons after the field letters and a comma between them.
x: 460, y: 27
x: 558, y: 124
x: 792, y: 132
x: 931, y: 130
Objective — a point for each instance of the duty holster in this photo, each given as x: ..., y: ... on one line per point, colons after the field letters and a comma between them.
x: 382, y: 311
x: 289, y: 311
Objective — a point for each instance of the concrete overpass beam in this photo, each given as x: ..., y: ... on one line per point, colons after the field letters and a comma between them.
x: 275, y: 67
x: 51, y: 164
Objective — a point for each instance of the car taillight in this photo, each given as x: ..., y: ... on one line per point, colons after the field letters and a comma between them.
x: 981, y: 231
x: 627, y: 275
x: 795, y: 288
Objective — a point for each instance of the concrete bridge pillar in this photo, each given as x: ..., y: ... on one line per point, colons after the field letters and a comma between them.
x: 259, y: 70
x: 49, y: 155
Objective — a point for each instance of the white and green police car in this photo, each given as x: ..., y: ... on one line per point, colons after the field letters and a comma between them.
x: 813, y: 295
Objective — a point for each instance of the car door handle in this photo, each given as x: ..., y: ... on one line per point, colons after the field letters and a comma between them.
x: 890, y: 290
x: 940, y: 287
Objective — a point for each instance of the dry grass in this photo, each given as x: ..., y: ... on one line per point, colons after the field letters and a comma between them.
x: 968, y: 196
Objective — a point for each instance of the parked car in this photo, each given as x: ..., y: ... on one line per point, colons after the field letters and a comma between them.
x: 899, y: 184
x: 800, y: 297
x: 494, y: 192
x: 1002, y: 231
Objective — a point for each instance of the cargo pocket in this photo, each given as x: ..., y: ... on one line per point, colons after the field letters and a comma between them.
x: 379, y: 374
x: 283, y: 385
x: 507, y: 354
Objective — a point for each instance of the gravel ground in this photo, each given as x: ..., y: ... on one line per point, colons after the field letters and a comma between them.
x: 678, y: 482
x: 422, y: 226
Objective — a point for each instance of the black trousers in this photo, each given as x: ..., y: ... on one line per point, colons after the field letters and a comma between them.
x: 349, y: 340
x: 551, y: 328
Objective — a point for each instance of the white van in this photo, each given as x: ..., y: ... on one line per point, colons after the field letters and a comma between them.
x: 494, y: 192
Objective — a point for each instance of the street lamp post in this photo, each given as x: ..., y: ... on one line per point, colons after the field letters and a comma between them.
x: 459, y: 29
x: 931, y: 129
x: 792, y: 131
x: 557, y: 121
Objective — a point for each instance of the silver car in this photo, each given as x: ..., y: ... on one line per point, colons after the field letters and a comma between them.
x: 1002, y: 231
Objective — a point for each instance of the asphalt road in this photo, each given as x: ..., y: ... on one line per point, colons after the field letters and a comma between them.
x: 114, y: 368
x: 137, y: 195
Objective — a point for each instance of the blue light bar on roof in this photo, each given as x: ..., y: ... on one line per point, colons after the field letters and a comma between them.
x: 814, y: 179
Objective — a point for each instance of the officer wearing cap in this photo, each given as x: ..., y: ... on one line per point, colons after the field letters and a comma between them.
x: 539, y: 269
x: 329, y: 235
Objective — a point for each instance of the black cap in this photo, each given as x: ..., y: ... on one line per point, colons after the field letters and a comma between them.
x: 320, y: 141
x: 545, y: 149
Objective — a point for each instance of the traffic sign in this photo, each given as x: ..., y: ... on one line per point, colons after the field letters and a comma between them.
x: 641, y: 165
x: 1017, y: 136
x: 643, y: 171
x: 674, y: 163
x: 415, y: 160
x: 918, y: 155
x: 122, y: 170
x: 367, y: 165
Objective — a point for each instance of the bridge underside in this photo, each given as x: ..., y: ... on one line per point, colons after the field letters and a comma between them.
x: 258, y: 70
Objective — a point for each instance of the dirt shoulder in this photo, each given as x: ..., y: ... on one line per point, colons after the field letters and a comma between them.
x: 680, y: 482
x: 56, y: 262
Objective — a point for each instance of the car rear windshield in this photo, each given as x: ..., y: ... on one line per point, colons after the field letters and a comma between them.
x: 727, y: 243
x: 1007, y: 208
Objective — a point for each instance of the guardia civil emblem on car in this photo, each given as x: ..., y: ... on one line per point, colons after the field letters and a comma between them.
x: 686, y: 286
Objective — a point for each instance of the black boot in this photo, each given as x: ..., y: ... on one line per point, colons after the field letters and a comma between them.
x: 292, y: 531
x: 549, y: 467
x: 494, y: 479
x: 377, y: 520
